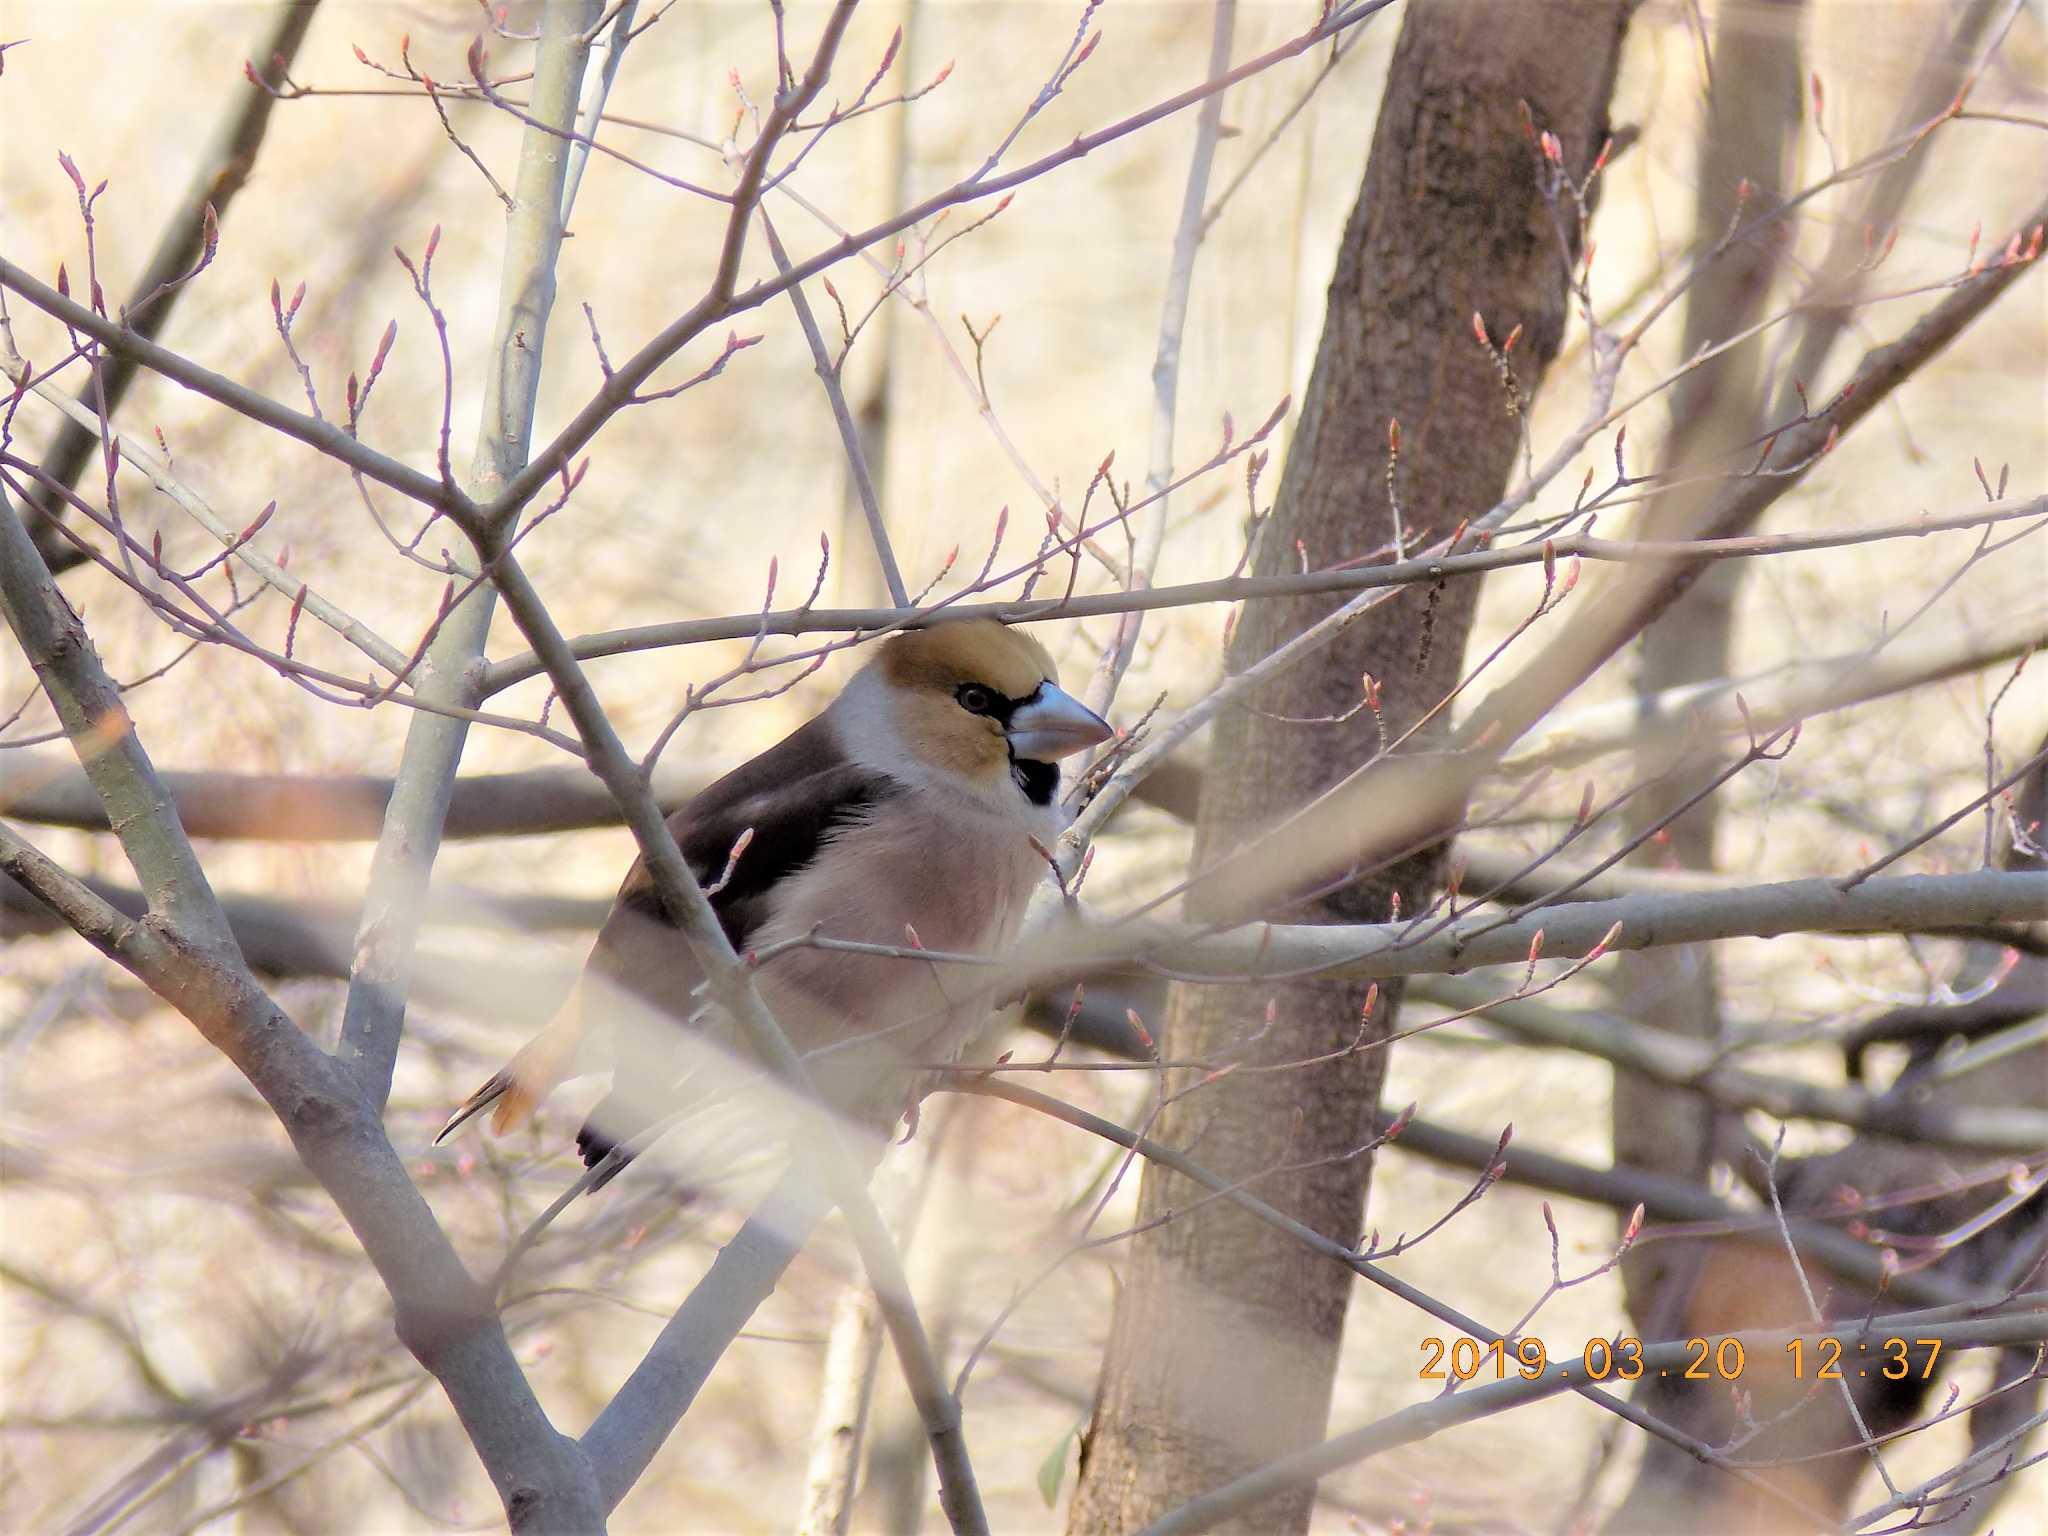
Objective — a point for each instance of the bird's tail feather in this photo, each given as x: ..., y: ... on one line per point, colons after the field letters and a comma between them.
x: 517, y: 1089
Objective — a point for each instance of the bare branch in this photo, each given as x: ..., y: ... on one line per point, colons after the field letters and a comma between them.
x: 842, y: 417
x: 184, y: 952
x: 375, y: 1015
x: 1415, y: 572
x: 222, y: 171
x: 337, y: 444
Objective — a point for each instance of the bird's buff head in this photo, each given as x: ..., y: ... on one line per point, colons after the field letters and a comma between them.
x: 982, y: 700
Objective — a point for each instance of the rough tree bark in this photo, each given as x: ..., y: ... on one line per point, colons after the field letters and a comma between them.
x: 1224, y: 1342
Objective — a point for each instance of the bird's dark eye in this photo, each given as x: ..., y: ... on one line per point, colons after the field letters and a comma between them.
x: 976, y: 700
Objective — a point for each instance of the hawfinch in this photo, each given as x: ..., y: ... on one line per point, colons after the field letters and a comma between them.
x: 908, y: 807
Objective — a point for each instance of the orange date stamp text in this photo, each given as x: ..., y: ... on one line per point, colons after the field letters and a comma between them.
x: 1725, y: 1359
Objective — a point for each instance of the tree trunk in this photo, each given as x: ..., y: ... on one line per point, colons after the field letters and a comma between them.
x: 1753, y: 121
x: 1224, y: 1343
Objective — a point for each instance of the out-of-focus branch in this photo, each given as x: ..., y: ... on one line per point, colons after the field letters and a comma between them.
x: 839, y: 1428
x: 624, y: 1437
x: 1402, y: 800
x: 349, y: 807
x: 1683, y: 1062
x: 1747, y: 152
x: 1900, y: 904
x: 374, y: 1019
x: 1840, y: 272
x: 1669, y: 1200
x: 1507, y: 879
x: 1407, y: 1425
x: 181, y: 904
x: 1601, y: 628
x: 1795, y: 690
x: 184, y: 952
x: 612, y: 37
x: 280, y: 937
x: 318, y: 808
x: 223, y: 170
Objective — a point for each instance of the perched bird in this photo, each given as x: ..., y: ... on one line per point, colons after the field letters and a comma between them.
x: 907, y: 808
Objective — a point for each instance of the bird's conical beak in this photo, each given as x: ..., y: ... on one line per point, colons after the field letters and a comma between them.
x: 1053, y: 724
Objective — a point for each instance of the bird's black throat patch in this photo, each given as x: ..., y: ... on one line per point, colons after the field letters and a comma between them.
x: 1039, y: 781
